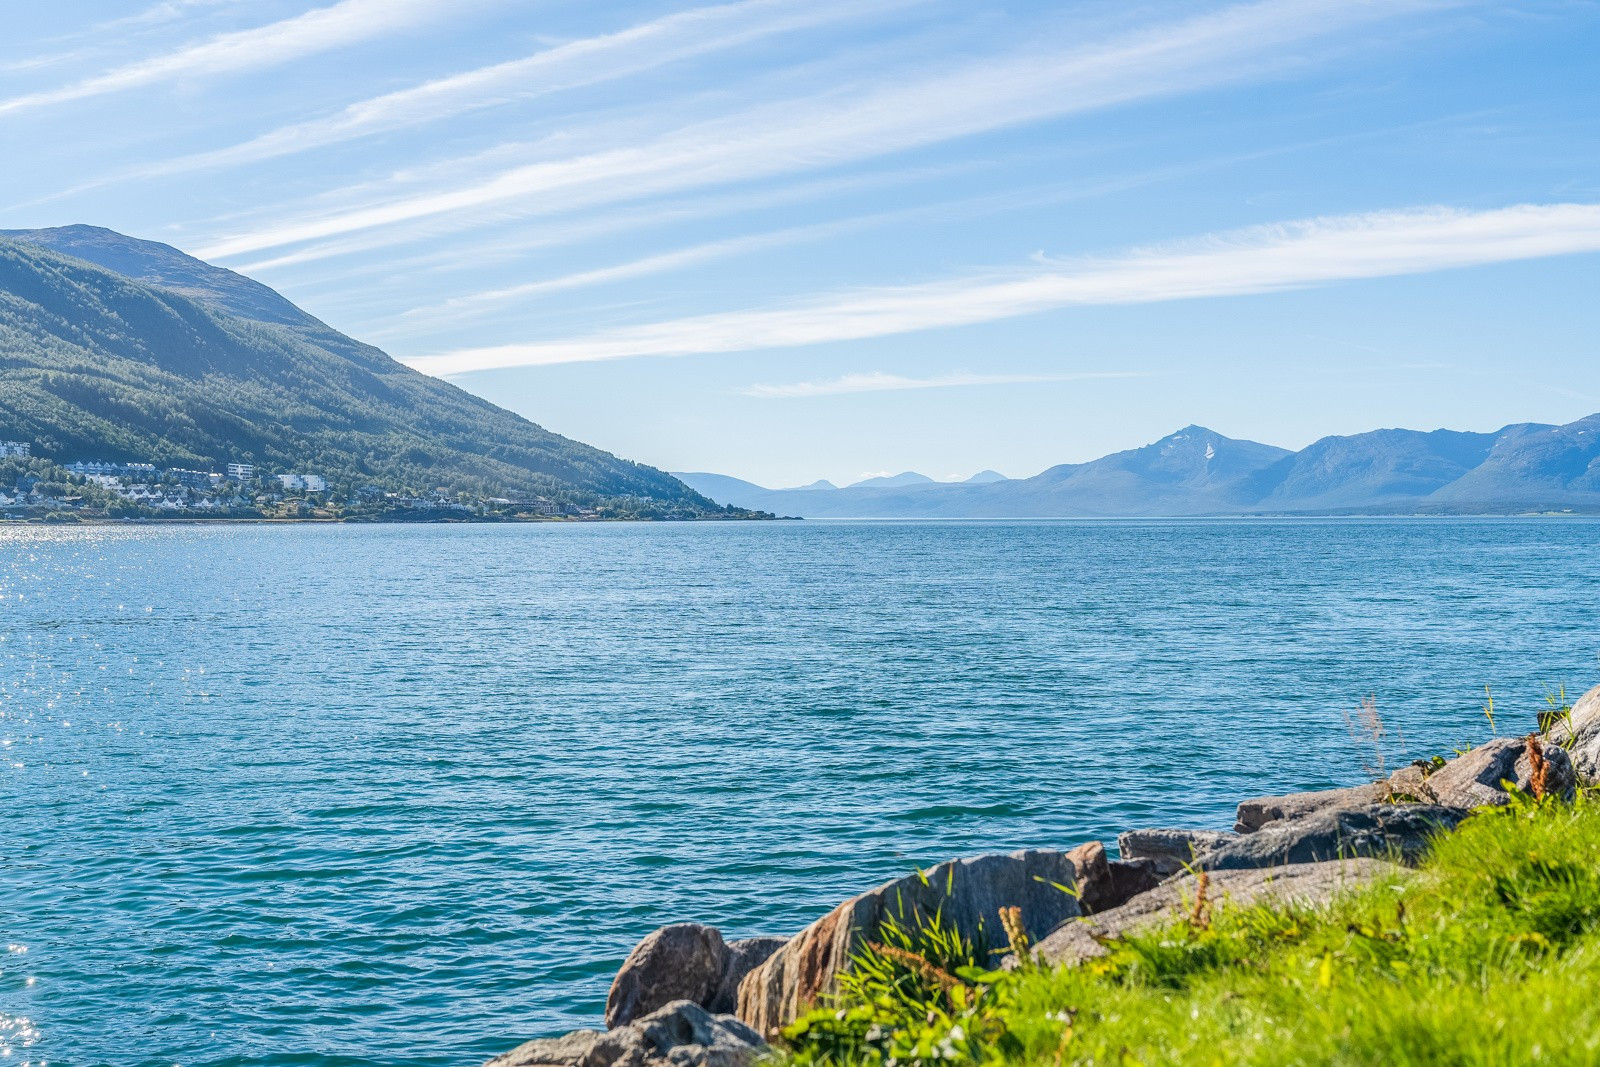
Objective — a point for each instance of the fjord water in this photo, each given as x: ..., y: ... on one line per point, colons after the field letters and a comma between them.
x: 408, y: 794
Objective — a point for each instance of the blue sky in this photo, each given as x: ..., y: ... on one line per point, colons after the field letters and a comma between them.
x: 790, y: 239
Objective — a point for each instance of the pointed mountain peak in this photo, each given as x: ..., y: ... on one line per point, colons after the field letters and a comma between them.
x: 1192, y: 432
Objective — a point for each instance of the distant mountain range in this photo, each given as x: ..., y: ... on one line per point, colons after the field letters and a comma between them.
x: 113, y: 348
x: 1520, y: 469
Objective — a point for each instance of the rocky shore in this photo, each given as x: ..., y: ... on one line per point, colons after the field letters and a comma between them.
x: 687, y: 998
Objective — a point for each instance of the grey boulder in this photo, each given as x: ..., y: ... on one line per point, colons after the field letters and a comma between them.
x: 967, y: 895
x: 1579, y: 732
x: 1382, y: 831
x: 1306, y: 883
x: 1409, y: 785
x: 1129, y: 878
x: 680, y: 1034
x: 1477, y: 778
x: 1170, y: 851
x: 743, y: 957
x: 1092, y: 876
x: 685, y: 961
x: 1104, y: 884
x: 1257, y: 812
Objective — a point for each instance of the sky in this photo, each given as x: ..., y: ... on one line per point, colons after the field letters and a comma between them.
x: 796, y: 239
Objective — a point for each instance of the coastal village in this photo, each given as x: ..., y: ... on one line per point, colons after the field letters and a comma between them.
x: 33, y: 489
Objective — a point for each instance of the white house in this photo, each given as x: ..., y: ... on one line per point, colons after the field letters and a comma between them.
x: 311, y: 483
x: 241, y: 472
x: 21, y: 449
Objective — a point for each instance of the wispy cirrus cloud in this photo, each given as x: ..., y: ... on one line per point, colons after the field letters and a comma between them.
x: 588, y: 61
x: 321, y: 30
x: 636, y: 268
x: 865, y: 121
x: 518, y: 241
x: 877, y: 382
x: 165, y: 11
x: 1261, y: 259
x: 707, y: 252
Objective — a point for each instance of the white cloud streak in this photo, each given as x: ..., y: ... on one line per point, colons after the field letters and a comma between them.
x: 589, y: 61
x: 679, y: 258
x: 518, y: 242
x: 324, y: 29
x: 882, y: 383
x: 637, y: 268
x: 1262, y: 259
x: 1232, y: 45
x: 162, y: 12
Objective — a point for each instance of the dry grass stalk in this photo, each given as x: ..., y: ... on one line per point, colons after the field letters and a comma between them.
x: 1200, y: 914
x: 1538, y: 767
x: 928, y: 971
x: 1016, y: 933
x: 1367, y: 732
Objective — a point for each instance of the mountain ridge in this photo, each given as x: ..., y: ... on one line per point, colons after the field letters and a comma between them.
x: 1195, y: 471
x: 99, y: 364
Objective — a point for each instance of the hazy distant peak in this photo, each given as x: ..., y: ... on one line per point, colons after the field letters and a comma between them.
x: 892, y: 481
x: 985, y: 477
x: 1197, y: 471
x: 820, y: 483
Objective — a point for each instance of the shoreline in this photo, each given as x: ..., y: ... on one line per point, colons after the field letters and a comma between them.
x: 7, y: 522
x: 97, y: 521
x: 936, y: 957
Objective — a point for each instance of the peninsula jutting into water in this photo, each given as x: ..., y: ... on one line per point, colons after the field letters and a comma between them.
x: 133, y: 374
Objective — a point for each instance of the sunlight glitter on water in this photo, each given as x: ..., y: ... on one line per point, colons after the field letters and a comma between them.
x: 416, y: 808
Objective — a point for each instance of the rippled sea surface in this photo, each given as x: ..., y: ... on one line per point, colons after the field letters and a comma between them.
x: 406, y: 795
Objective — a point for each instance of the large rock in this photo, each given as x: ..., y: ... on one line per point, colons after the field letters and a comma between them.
x: 1257, y: 812
x: 743, y: 957
x: 1306, y: 883
x: 966, y: 894
x: 680, y: 1034
x: 1169, y: 851
x: 1383, y: 831
x: 1104, y: 884
x: 1129, y: 878
x: 1471, y: 780
x: 681, y: 962
x: 1409, y: 785
x: 1091, y: 873
x: 1579, y: 733
x: 1477, y: 779
x: 568, y: 1049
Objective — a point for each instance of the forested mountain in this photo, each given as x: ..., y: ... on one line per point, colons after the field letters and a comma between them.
x: 148, y: 355
x: 1196, y: 471
x: 167, y: 268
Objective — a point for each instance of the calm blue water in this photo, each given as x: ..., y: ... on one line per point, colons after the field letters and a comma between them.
x: 407, y: 795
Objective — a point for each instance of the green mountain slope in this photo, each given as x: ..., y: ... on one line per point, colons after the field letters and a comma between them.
x: 165, y: 267
x: 97, y: 365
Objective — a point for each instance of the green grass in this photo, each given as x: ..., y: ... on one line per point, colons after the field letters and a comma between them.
x: 1490, y: 954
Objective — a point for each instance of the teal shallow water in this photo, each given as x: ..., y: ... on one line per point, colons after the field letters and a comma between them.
x: 406, y: 795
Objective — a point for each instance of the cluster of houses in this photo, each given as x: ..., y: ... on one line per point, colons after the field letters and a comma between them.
x: 178, y: 489
x: 166, y: 489
x: 174, y: 488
